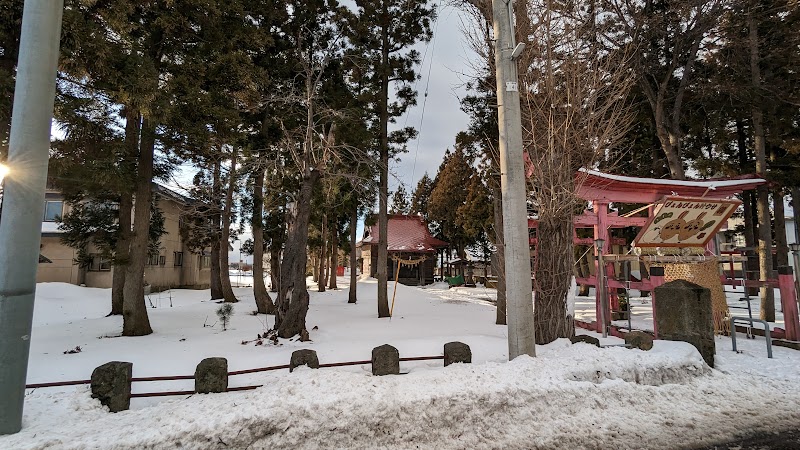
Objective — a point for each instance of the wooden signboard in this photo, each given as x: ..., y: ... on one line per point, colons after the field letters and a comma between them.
x: 685, y: 222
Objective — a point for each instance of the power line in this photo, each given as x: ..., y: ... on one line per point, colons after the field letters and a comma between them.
x: 425, y: 98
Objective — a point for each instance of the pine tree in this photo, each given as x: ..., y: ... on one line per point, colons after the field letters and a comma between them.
x: 10, y: 26
x: 400, y: 201
x: 421, y: 196
x: 384, y: 31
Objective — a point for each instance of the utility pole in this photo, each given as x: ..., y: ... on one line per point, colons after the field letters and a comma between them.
x: 519, y: 305
x: 20, y: 227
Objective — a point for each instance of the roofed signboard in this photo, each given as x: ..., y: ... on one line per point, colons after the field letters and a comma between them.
x: 685, y: 222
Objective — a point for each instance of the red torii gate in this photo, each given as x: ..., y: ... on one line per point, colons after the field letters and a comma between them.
x: 600, y: 189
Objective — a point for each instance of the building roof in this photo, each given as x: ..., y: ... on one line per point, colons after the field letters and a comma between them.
x: 593, y: 185
x: 407, y: 233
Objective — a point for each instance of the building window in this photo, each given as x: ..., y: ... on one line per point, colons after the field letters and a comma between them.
x: 99, y: 264
x: 152, y: 260
x: 53, y: 210
x: 162, y: 261
x: 205, y: 261
x: 178, y: 258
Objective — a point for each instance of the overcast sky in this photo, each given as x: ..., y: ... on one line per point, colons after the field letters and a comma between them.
x: 439, y: 117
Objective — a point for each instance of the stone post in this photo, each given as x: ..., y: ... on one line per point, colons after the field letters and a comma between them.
x: 111, y: 384
x: 385, y: 360
x: 683, y: 313
x: 211, y: 375
x: 304, y: 357
x: 656, y: 280
x: 457, y: 352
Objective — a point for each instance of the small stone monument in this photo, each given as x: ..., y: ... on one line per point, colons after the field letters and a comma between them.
x: 385, y: 360
x: 457, y: 352
x: 639, y: 339
x: 111, y: 384
x: 684, y: 313
x: 211, y: 375
x: 585, y: 339
x: 304, y: 357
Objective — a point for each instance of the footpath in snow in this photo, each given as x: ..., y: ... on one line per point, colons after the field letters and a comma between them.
x: 569, y: 396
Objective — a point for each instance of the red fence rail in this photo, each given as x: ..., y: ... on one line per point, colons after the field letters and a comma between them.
x: 233, y: 373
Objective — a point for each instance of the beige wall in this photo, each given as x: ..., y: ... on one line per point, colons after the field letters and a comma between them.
x: 62, y: 268
x: 160, y: 277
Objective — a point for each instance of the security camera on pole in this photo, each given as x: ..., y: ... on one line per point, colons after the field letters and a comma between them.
x: 519, y: 305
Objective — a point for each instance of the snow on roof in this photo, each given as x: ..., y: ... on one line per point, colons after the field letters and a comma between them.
x: 705, y: 184
x: 598, y: 186
x: 407, y: 233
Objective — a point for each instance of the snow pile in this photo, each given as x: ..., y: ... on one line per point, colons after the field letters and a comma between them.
x: 569, y: 396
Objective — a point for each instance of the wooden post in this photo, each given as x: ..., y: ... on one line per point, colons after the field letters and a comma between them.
x: 600, y: 232
x: 789, y: 303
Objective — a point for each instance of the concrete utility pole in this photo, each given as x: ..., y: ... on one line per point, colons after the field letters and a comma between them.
x: 519, y: 309
x: 21, y: 225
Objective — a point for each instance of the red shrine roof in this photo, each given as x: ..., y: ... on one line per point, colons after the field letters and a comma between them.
x: 593, y: 185
x: 407, y: 233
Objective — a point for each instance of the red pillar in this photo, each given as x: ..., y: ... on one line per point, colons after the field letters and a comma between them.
x: 600, y: 232
x: 656, y: 280
x: 789, y: 303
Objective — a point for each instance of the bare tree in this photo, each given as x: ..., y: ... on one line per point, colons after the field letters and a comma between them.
x: 668, y: 37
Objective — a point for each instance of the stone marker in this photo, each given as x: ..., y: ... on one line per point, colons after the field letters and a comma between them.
x: 457, y: 352
x: 111, y: 384
x: 304, y: 357
x: 211, y: 375
x: 385, y: 360
x: 585, y: 339
x: 683, y: 313
x: 639, y: 339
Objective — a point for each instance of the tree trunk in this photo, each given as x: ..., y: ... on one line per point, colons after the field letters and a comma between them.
x: 499, y: 263
x: 747, y: 203
x: 292, y: 304
x: 764, y: 228
x: 334, y: 265
x: 322, y: 279
x: 383, y: 194
x: 224, y: 242
x: 216, y: 271
x: 353, y: 296
x: 121, y: 253
x: 670, y: 142
x: 133, y: 129
x: 553, y: 278
x: 134, y: 311
x: 275, y: 270
x: 264, y: 303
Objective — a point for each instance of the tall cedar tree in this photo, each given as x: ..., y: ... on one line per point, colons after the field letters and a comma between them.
x: 384, y: 32
x: 421, y: 196
x: 448, y: 196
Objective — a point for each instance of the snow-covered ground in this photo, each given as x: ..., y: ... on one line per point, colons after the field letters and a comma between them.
x: 570, y: 396
x: 642, y: 309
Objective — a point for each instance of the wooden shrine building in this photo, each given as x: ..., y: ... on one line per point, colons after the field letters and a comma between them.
x: 408, y: 239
